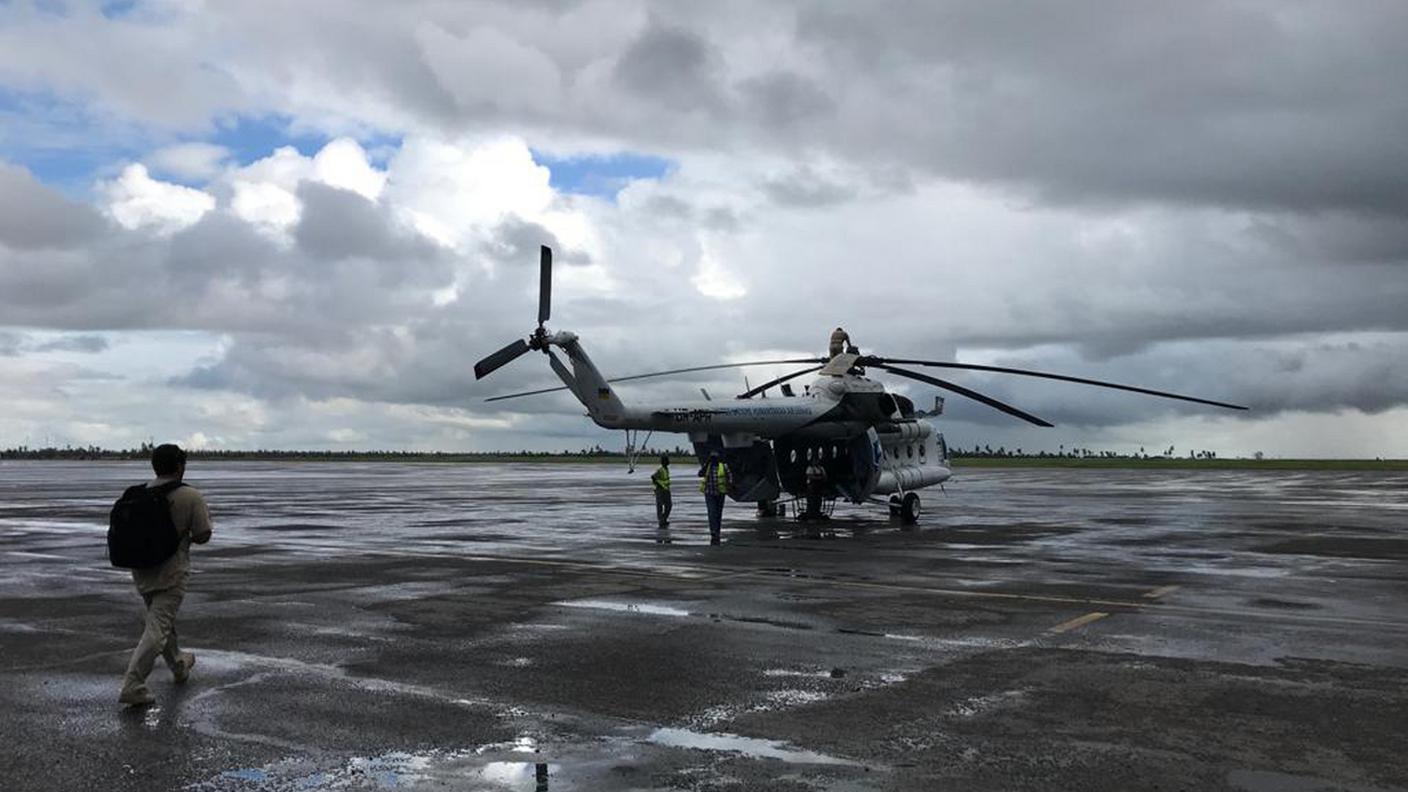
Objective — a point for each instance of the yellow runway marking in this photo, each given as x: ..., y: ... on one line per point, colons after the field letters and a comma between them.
x: 1079, y: 621
x: 1159, y: 592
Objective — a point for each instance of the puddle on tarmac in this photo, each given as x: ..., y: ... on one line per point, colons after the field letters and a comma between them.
x: 748, y: 746
x: 792, y: 672
x: 979, y: 705
x: 787, y: 699
x: 397, y: 770
x: 520, y: 775
x: 626, y: 607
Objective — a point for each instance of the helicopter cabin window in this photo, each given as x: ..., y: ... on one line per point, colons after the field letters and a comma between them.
x: 793, y: 456
x: 909, y: 449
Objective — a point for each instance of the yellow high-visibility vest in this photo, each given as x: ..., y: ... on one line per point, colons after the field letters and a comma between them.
x: 661, y: 478
x: 720, y: 479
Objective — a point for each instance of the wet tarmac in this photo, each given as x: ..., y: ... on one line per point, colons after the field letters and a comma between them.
x: 388, y: 626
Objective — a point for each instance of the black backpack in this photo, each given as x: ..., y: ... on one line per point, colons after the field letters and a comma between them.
x: 141, y: 533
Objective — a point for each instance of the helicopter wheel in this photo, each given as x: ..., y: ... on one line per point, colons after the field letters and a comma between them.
x: 909, y: 510
x: 895, y: 505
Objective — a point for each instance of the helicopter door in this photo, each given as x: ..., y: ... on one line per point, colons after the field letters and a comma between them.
x: 865, y: 465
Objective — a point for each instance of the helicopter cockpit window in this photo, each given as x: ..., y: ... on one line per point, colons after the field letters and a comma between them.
x: 886, y: 402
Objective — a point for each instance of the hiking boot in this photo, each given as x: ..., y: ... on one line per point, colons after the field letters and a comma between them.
x: 137, y: 697
x: 181, y: 671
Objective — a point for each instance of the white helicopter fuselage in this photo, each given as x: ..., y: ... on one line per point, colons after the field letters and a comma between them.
x: 842, y: 419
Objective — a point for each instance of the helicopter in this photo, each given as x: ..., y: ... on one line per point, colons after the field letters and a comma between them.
x: 874, y: 446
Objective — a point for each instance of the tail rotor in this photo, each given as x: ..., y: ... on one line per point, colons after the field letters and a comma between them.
x: 538, y: 340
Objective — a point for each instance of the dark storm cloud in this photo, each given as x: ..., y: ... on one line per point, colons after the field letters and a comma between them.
x: 672, y: 67
x: 221, y: 274
x: 220, y: 246
x: 515, y: 242
x: 11, y: 343
x: 1272, y: 377
x: 33, y: 215
x: 804, y: 188
x: 783, y: 99
x: 90, y: 344
x: 1251, y: 104
x: 1260, y: 104
x: 338, y: 224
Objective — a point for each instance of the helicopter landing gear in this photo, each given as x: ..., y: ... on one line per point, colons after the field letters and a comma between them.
x: 770, y: 508
x: 906, y: 509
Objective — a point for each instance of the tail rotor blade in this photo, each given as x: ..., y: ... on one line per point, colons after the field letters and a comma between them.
x: 545, y: 285
x: 962, y: 391
x: 502, y: 357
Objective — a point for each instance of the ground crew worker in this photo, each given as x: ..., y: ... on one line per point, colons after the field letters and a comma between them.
x: 714, y: 482
x: 663, y: 503
x: 816, y: 486
x: 164, y: 586
x: 839, y: 341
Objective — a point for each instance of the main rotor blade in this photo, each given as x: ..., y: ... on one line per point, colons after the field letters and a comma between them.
x: 544, y: 284
x: 506, y: 355
x: 751, y: 392
x: 666, y: 374
x: 1045, y: 375
x: 962, y: 391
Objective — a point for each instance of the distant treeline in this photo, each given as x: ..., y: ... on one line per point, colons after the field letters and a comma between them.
x: 977, y: 456
x: 144, y: 452
x: 1001, y: 452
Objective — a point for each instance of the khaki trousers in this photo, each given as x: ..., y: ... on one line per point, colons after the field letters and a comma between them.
x: 158, y: 636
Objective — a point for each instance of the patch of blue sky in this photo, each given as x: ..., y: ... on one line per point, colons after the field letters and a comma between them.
x: 117, y: 9
x: 64, y: 143
x: 252, y: 138
x: 69, y: 144
x: 601, y: 175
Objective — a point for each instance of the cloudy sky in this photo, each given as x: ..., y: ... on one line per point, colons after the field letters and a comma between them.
x: 297, y: 225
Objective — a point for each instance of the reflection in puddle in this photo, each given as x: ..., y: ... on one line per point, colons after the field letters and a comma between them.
x: 978, y: 705
x: 748, y: 746
x: 795, y: 698
x: 789, y: 672
x: 399, y: 769
x: 519, y: 775
x: 626, y: 607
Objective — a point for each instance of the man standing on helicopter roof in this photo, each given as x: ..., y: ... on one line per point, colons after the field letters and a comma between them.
x: 840, y: 340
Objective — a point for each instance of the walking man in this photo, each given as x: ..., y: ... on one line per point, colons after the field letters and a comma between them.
x: 663, y: 504
x: 714, y: 481
x: 164, y: 586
